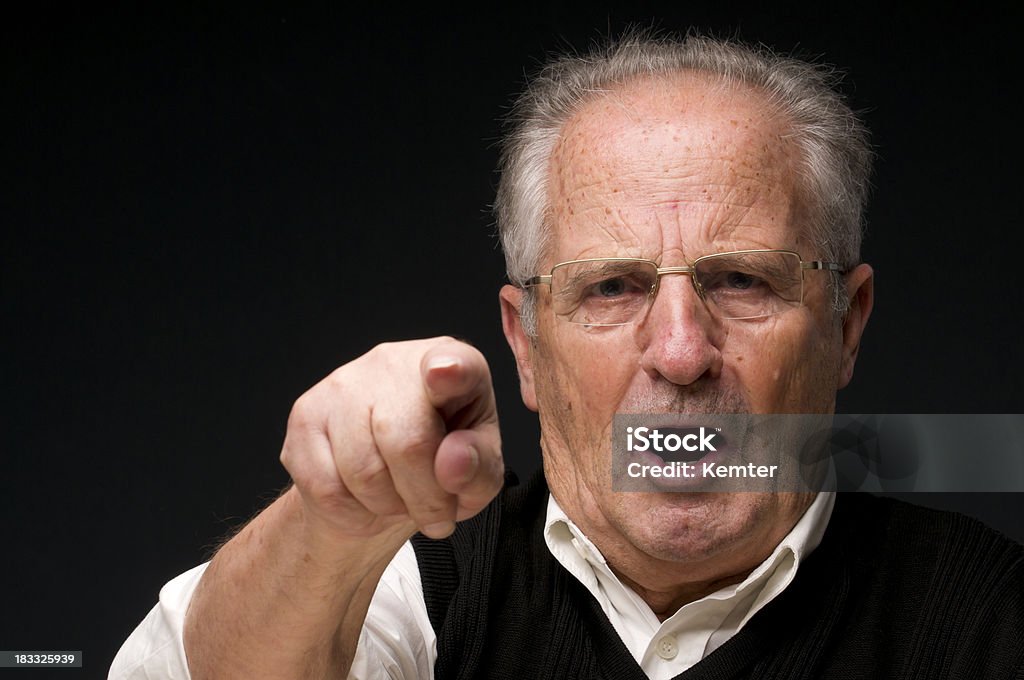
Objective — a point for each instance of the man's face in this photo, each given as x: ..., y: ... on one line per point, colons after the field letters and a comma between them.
x: 670, y: 171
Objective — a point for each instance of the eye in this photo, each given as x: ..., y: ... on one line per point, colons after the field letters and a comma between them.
x: 734, y: 281
x: 750, y: 285
x: 739, y: 280
x: 611, y: 287
x: 602, y: 292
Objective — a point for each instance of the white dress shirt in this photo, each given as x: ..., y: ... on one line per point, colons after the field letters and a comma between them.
x: 398, y: 640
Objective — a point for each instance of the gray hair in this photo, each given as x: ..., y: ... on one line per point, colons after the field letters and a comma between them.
x: 836, y: 157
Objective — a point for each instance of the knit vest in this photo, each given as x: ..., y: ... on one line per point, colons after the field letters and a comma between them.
x: 892, y: 591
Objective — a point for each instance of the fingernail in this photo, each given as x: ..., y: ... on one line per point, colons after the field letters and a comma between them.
x: 472, y: 463
x: 439, y: 529
x: 442, y: 361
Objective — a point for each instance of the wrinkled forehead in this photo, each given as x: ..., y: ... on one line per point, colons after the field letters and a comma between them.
x: 681, y: 162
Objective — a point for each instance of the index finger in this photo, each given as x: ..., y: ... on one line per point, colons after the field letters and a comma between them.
x: 457, y: 382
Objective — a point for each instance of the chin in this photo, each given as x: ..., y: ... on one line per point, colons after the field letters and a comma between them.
x: 694, y: 527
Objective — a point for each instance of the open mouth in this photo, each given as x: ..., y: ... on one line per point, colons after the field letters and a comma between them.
x: 690, y: 434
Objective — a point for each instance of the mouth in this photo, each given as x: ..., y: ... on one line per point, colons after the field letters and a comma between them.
x: 693, y: 434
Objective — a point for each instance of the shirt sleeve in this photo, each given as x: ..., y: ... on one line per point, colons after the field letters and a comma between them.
x: 397, y: 641
x: 155, y: 648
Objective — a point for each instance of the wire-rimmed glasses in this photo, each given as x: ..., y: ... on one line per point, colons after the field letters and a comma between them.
x: 742, y: 284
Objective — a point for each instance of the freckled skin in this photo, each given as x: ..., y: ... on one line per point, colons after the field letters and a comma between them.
x: 671, y: 172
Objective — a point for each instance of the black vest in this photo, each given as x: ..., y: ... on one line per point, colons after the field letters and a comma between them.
x: 893, y: 591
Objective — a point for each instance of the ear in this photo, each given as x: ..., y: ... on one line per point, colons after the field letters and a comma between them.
x: 860, y: 287
x: 511, y: 303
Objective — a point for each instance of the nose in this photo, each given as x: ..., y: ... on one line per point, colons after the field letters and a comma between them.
x: 679, y: 339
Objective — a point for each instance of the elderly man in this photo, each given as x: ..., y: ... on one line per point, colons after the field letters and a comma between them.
x: 681, y: 222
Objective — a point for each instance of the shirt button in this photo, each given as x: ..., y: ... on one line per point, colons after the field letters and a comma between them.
x: 667, y: 648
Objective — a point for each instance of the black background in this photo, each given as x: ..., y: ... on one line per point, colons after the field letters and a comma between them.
x: 207, y: 210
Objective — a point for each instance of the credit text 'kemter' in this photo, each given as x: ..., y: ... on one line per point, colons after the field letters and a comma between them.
x: 707, y: 470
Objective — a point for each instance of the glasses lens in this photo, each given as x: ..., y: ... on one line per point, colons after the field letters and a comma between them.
x: 602, y: 292
x: 750, y: 285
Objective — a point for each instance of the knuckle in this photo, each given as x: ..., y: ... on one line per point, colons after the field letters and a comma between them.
x: 294, y: 456
x: 319, y: 491
x: 474, y: 352
x: 342, y: 377
x: 370, y: 472
x: 418, y: 446
x: 303, y: 412
x: 466, y: 347
x: 431, y: 508
x: 384, y: 429
x: 404, y: 441
x: 379, y: 350
x: 328, y: 496
x: 287, y: 459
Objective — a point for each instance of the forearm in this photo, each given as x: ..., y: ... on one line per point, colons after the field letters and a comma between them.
x: 404, y: 437
x: 284, y: 599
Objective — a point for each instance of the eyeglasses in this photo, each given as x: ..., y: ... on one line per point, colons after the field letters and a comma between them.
x: 744, y: 284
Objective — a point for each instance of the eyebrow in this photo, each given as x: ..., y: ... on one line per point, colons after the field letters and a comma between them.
x: 770, y: 266
x: 624, y: 266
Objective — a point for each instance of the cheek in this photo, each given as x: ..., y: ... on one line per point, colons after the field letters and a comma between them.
x: 785, y: 366
x: 589, y: 371
x: 581, y: 380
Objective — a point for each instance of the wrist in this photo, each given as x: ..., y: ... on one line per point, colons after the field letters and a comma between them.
x: 334, y: 547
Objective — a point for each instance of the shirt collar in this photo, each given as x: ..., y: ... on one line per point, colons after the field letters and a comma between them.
x: 578, y: 554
